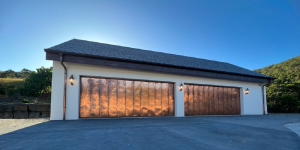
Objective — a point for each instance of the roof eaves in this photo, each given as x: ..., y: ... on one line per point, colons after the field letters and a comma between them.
x: 150, y: 63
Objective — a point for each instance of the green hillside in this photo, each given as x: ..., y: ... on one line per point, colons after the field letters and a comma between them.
x: 284, y: 94
x: 285, y: 72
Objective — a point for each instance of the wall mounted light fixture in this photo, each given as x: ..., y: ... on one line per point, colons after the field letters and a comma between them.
x: 247, y: 91
x: 71, y: 79
x: 181, y: 87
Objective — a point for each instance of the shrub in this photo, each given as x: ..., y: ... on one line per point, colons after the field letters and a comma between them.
x: 37, y: 83
x: 26, y: 101
x: 2, y: 90
x: 270, y: 107
x: 287, y: 103
x: 10, y: 92
x: 22, y: 91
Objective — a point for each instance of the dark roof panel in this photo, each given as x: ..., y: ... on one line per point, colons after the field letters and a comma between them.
x: 94, y: 49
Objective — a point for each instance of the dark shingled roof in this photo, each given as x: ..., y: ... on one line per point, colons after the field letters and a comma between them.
x: 94, y: 49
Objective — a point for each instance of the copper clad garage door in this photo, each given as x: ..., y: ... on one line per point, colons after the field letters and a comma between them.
x: 102, y: 97
x: 211, y: 100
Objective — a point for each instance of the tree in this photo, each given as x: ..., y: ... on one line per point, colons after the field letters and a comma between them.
x: 38, y: 83
x: 25, y: 72
x: 287, y: 103
x: 9, y: 74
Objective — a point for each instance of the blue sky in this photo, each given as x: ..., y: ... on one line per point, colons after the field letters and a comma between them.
x: 248, y: 33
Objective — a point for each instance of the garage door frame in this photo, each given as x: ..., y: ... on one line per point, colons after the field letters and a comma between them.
x: 240, y: 95
x: 128, y: 79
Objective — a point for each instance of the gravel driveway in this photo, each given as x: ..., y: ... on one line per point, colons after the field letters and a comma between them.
x: 222, y: 132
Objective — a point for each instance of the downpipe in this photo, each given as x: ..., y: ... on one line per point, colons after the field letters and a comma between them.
x: 263, y: 98
x: 65, y: 84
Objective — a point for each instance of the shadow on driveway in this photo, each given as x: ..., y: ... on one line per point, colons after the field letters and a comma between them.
x: 223, y: 132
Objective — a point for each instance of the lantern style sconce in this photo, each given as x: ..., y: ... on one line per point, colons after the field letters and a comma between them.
x: 71, y: 79
x: 247, y: 91
x: 181, y: 86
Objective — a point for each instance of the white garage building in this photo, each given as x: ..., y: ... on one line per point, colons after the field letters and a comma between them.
x: 96, y: 80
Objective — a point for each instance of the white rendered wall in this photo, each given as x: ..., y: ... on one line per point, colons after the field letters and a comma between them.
x: 251, y: 104
x: 57, y: 91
